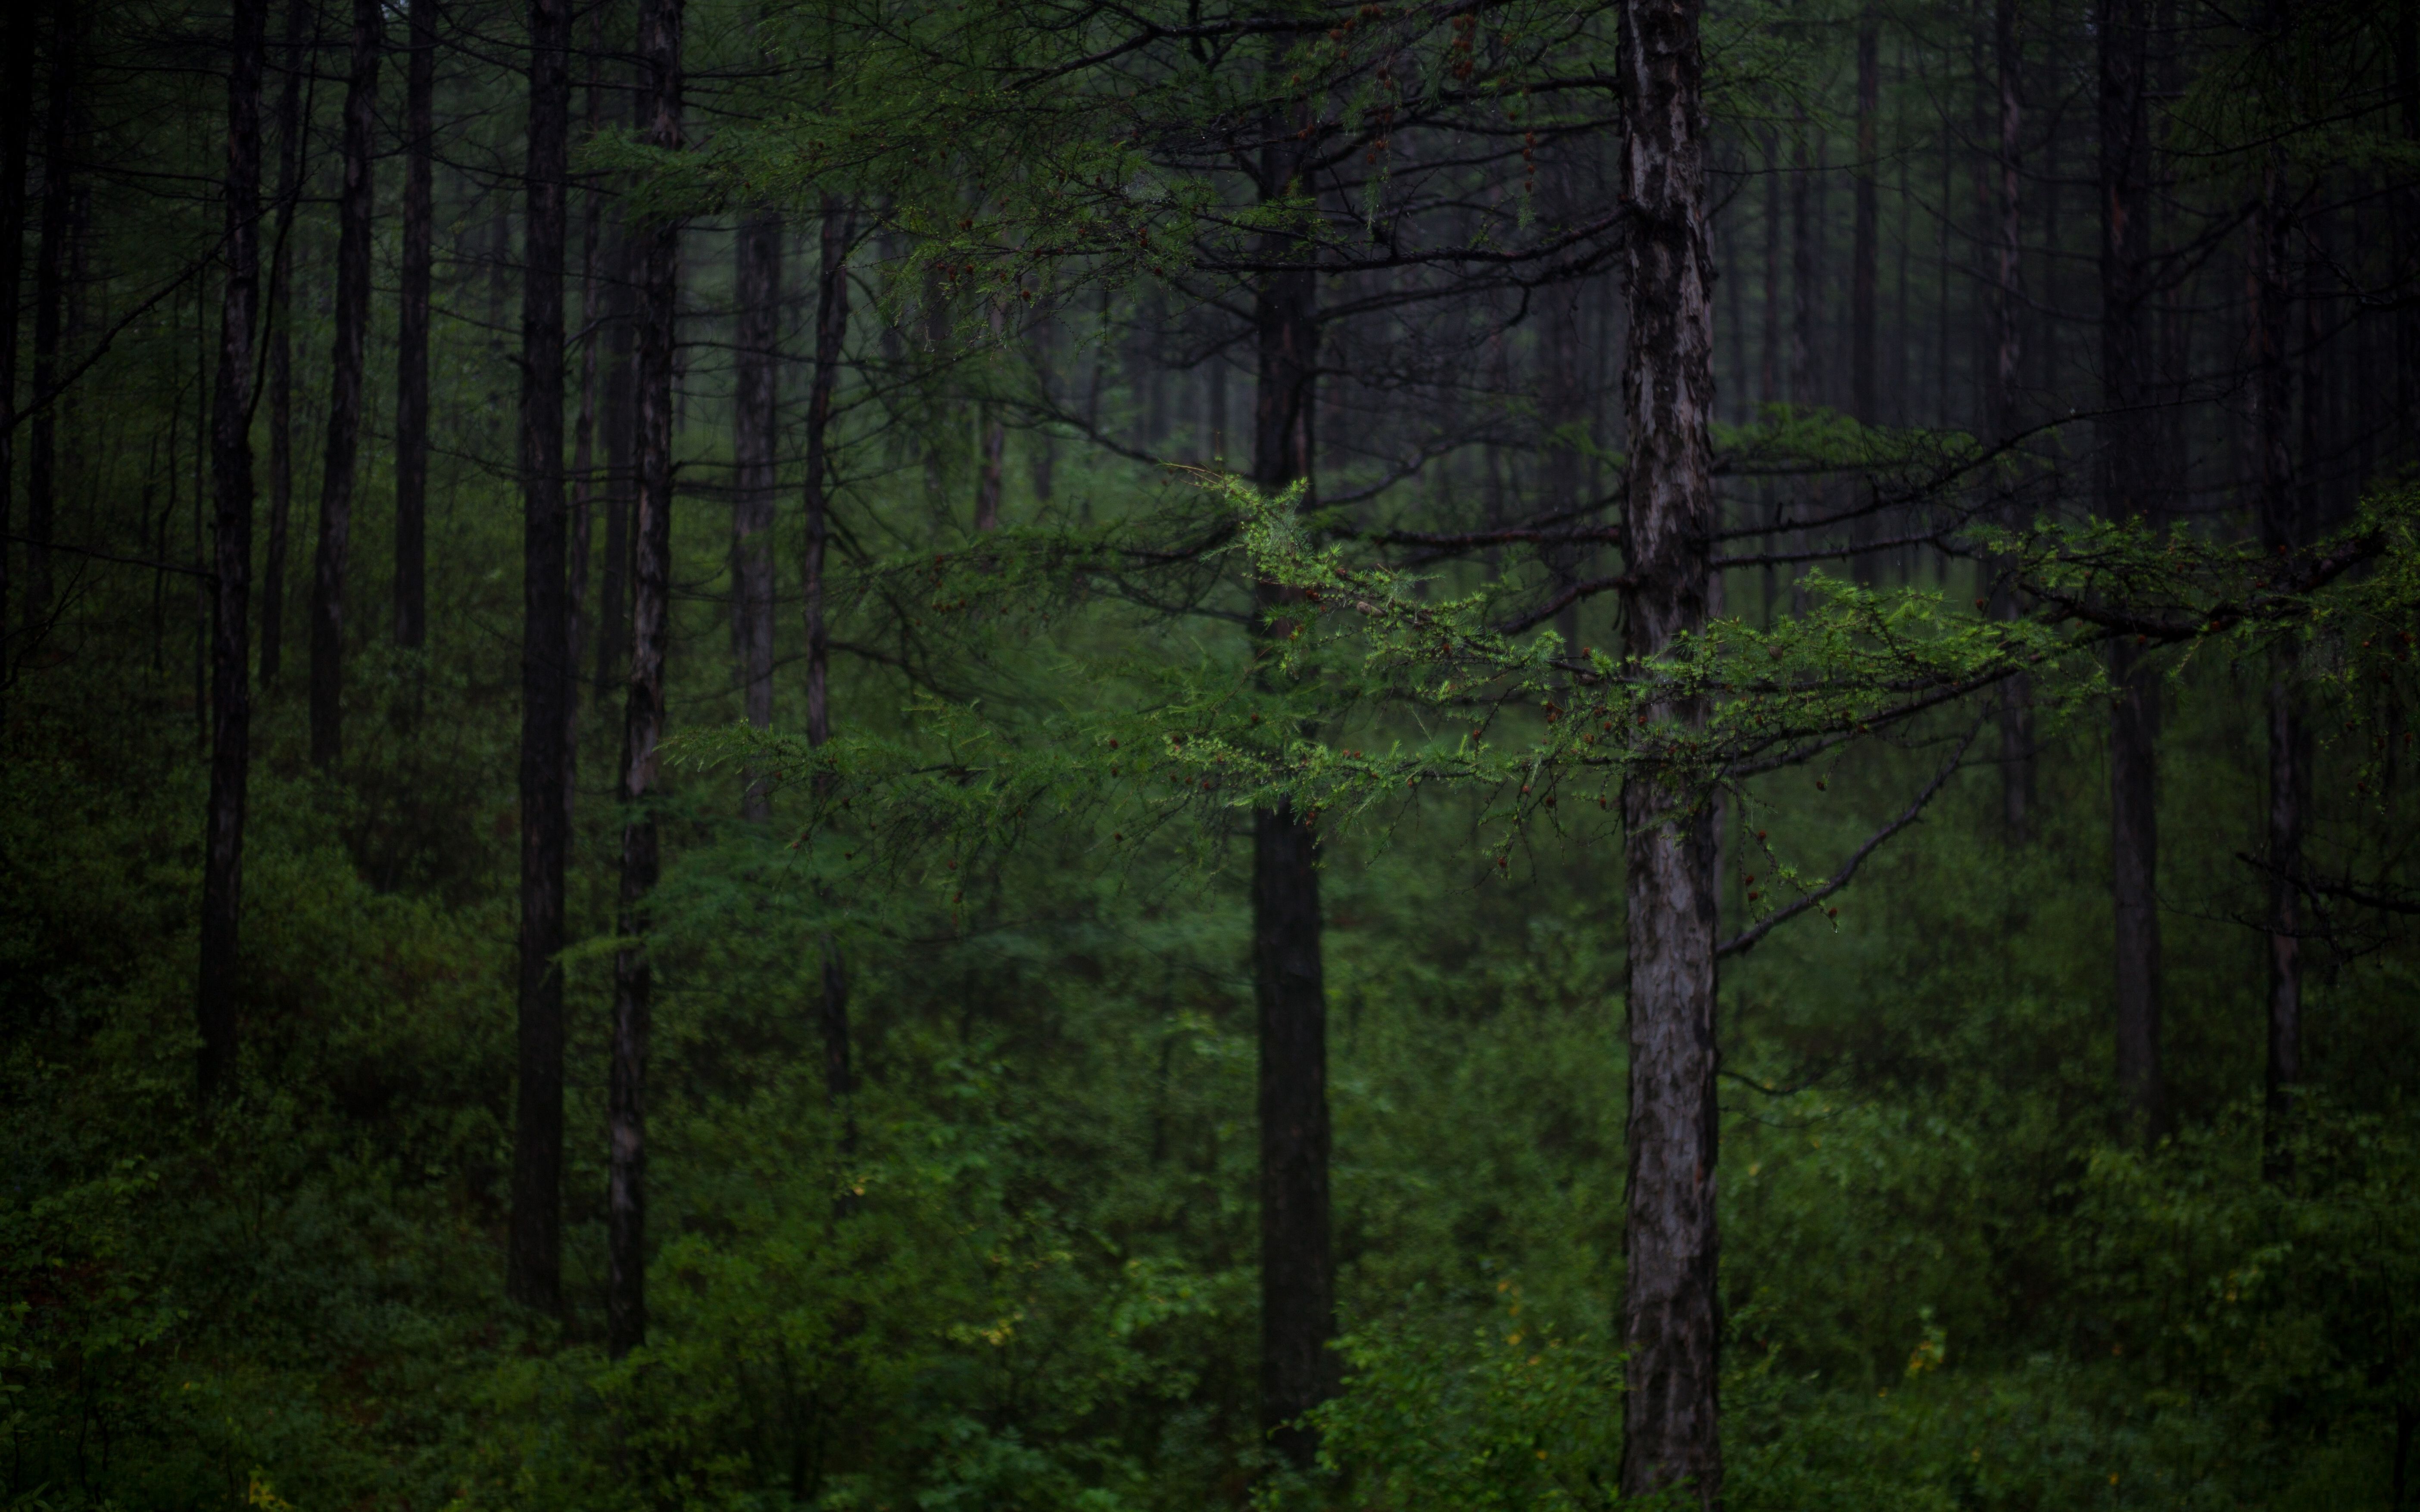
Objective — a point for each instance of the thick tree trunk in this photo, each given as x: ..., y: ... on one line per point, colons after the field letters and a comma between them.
x: 626, y: 1300
x: 2129, y: 490
x: 50, y: 287
x: 757, y: 254
x: 412, y: 335
x: 1298, y: 1258
x: 16, y: 125
x: 1669, y: 1308
x: 1865, y: 270
x: 355, y: 203
x: 534, y: 1275
x: 831, y: 328
x: 2285, y: 527
x: 231, y: 622
x: 281, y: 345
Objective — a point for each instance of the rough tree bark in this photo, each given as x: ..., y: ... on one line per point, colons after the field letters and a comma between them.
x: 411, y: 333
x: 2285, y: 527
x: 281, y: 345
x: 231, y: 621
x: 1669, y: 1306
x: 355, y: 203
x: 659, y: 249
x: 2129, y: 487
x: 50, y: 287
x: 757, y: 252
x: 533, y: 1274
x: 831, y: 328
x: 1290, y: 994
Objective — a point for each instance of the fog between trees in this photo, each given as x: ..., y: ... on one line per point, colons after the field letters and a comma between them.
x: 1018, y: 755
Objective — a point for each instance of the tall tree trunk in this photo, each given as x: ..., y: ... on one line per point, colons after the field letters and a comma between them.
x: 1769, y: 369
x: 281, y: 344
x: 831, y: 328
x: 231, y: 622
x: 534, y: 1274
x: 50, y: 287
x: 758, y: 275
x: 1670, y: 1309
x: 1044, y: 447
x: 16, y: 124
x: 2008, y: 322
x: 991, y: 477
x: 1297, y: 1255
x: 583, y: 446
x: 619, y: 419
x: 1804, y: 232
x: 354, y: 207
x: 1865, y: 270
x: 2130, y: 485
x: 2285, y: 527
x: 625, y: 1299
x: 412, y: 335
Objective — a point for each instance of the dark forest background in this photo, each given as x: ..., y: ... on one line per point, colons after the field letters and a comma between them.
x: 606, y: 900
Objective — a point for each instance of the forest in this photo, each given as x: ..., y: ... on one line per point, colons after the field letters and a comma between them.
x: 1395, y: 755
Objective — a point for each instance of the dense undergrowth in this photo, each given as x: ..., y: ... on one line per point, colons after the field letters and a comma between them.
x: 1031, y: 1283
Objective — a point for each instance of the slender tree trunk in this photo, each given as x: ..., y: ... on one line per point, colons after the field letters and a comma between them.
x: 1044, y: 447
x: 758, y: 275
x: 1803, y: 251
x: 1297, y: 1256
x: 49, y: 287
x: 991, y: 479
x: 1865, y: 270
x: 16, y: 125
x: 1670, y: 1309
x: 231, y: 622
x: 534, y: 1275
x: 625, y: 1299
x: 583, y: 446
x: 1769, y: 369
x: 620, y: 421
x: 584, y: 429
x: 2285, y: 527
x: 2007, y: 320
x: 412, y: 335
x: 281, y: 344
x: 2130, y: 485
x: 354, y: 207
x: 831, y: 330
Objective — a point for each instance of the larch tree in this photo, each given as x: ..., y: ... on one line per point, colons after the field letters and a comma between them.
x: 657, y: 258
x: 2130, y: 489
x: 349, y: 356
x: 534, y: 1261
x: 232, y: 501
x: 1670, y: 1312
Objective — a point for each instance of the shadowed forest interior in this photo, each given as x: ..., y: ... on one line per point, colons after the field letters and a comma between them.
x: 1034, y: 754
